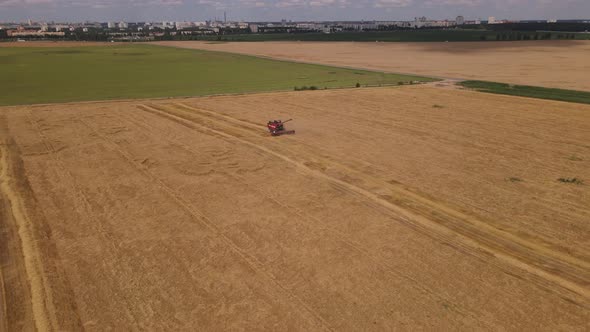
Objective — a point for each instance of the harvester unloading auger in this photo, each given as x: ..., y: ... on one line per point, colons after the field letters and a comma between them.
x: 277, y: 128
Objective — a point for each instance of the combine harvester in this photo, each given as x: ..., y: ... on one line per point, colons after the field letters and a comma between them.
x: 277, y: 128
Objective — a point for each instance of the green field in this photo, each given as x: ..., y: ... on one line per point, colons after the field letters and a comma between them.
x: 529, y: 91
x: 51, y: 75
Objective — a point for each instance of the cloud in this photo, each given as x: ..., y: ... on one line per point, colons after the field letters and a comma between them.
x: 392, y: 3
x: 28, y: 4
x: 23, y: 3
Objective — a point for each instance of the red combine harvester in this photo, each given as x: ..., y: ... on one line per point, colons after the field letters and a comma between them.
x: 277, y: 128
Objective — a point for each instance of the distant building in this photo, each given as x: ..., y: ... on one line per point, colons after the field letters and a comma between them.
x: 460, y: 20
x: 491, y: 20
x: 552, y: 20
x: 310, y: 26
x: 33, y: 33
x: 111, y: 25
x: 423, y: 22
x: 182, y: 25
x: 123, y: 25
x: 254, y: 28
x: 419, y: 22
x: 357, y: 26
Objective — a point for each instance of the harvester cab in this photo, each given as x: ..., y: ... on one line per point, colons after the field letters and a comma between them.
x: 277, y: 128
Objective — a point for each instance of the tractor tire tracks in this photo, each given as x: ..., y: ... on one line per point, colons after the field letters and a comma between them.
x: 553, y: 269
x: 68, y: 178
x: 358, y: 247
x: 209, y: 224
x: 40, y: 298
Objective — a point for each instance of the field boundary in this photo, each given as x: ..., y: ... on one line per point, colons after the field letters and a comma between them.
x: 453, y: 84
x: 528, y: 91
x: 267, y: 57
x: 4, y: 309
x: 132, y: 100
x: 30, y: 252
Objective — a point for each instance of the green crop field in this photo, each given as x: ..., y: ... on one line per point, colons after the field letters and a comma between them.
x: 51, y: 75
x: 572, y: 96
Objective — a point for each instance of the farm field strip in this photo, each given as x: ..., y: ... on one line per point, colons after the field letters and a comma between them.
x: 529, y: 91
x: 181, y: 213
x: 531, y: 63
x: 36, y: 75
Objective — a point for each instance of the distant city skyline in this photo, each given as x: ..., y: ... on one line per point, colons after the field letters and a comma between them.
x: 275, y: 10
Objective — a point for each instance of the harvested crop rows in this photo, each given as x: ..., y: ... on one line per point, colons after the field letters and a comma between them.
x: 390, y: 208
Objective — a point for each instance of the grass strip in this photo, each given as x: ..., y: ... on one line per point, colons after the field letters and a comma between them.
x: 572, y: 96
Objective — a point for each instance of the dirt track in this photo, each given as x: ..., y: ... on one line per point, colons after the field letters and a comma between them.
x: 391, y: 208
x: 558, y: 64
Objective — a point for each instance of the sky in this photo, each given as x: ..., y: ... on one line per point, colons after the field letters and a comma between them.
x: 275, y: 10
